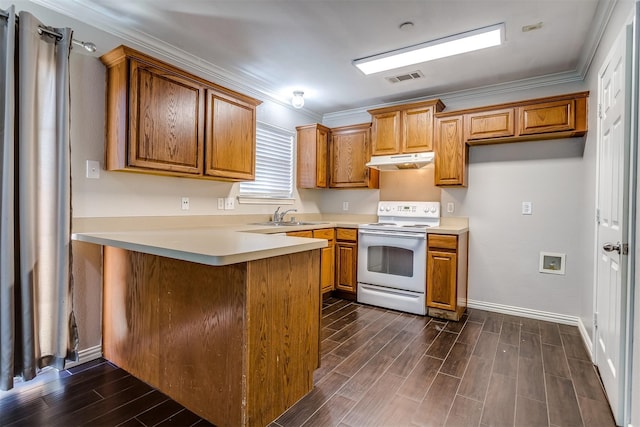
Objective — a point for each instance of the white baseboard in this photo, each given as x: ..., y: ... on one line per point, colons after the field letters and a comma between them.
x: 538, y: 315
x: 86, y: 355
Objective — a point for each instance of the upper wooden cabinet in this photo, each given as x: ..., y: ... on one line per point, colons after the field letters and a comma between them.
x: 163, y: 120
x: 230, y: 137
x: 406, y: 128
x: 556, y: 117
x: 349, y: 151
x: 313, y: 149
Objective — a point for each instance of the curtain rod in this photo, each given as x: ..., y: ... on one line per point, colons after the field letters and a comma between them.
x: 89, y: 46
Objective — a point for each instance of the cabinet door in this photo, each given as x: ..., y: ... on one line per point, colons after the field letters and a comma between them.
x: 490, y: 124
x: 450, y: 152
x: 385, y: 131
x: 346, y: 266
x: 230, y: 147
x: 349, y: 153
x: 441, y: 279
x: 312, y: 155
x: 327, y: 265
x: 166, y: 125
x: 547, y: 117
x: 418, y: 129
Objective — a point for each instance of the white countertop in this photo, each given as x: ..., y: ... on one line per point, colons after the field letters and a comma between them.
x: 224, y: 244
x: 211, y: 246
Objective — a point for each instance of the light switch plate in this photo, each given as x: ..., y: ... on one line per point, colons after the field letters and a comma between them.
x: 93, y: 169
x: 221, y: 203
x: 229, y: 203
x: 527, y: 208
x: 451, y: 207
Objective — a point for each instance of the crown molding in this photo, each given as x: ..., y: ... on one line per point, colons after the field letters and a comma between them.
x: 468, y: 94
x: 240, y: 81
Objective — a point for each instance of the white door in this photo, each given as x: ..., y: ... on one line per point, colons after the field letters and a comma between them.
x: 613, y: 184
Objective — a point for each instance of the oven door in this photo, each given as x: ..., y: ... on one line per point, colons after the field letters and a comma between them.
x: 393, y: 259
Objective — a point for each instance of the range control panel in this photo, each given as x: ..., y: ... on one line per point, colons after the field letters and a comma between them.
x: 409, y: 209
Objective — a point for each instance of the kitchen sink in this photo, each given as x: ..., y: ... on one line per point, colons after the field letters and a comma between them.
x: 287, y: 223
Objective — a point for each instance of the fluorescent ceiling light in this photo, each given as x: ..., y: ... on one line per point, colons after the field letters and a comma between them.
x: 436, y: 49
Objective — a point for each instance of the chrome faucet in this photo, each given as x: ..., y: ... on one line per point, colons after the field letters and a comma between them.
x: 279, y: 217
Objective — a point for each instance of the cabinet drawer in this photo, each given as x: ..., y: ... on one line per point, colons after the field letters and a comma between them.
x: 349, y: 234
x: 547, y: 117
x: 443, y: 241
x: 490, y: 124
x: 324, y: 233
x: 300, y: 233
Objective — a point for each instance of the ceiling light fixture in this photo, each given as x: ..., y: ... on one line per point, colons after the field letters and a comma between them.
x: 435, y: 49
x: 298, y: 99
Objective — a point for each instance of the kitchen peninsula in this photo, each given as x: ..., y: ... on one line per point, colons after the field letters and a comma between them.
x: 224, y: 322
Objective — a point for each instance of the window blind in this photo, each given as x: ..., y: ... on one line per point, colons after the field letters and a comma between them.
x: 274, y: 164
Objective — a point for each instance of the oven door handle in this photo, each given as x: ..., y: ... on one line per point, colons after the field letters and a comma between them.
x: 407, y: 234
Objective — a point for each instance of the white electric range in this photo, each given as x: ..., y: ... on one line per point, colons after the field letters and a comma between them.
x: 392, y: 255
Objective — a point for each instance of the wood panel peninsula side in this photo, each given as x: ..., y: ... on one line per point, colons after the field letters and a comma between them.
x: 237, y: 344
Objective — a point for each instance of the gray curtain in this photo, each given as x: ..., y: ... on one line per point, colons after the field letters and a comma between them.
x: 37, y: 327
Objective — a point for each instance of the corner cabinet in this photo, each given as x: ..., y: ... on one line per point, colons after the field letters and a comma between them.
x: 313, y: 151
x: 349, y: 151
x: 406, y: 128
x: 347, y: 262
x: 447, y: 275
x: 163, y: 120
x: 327, y: 259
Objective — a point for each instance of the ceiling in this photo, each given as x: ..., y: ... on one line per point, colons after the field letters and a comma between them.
x: 277, y: 46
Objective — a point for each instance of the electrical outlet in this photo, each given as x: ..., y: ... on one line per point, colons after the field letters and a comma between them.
x: 527, y: 208
x: 220, y: 203
x: 93, y: 169
x: 345, y: 206
x: 451, y: 207
x: 229, y: 203
x: 185, y: 204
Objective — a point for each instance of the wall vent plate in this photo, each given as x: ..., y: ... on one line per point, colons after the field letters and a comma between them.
x: 405, y: 77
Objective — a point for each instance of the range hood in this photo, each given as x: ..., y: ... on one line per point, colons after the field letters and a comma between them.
x: 401, y: 161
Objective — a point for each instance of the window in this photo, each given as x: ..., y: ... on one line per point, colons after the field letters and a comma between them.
x: 274, y: 167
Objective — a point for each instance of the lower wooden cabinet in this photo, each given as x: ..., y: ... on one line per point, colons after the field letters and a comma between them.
x: 447, y: 275
x: 327, y: 262
x: 346, y: 260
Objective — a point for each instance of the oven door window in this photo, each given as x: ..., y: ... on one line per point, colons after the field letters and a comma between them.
x: 390, y: 260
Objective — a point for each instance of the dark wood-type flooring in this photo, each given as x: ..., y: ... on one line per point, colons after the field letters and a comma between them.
x: 379, y: 367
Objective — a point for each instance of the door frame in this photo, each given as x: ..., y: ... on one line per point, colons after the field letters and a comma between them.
x: 631, y: 26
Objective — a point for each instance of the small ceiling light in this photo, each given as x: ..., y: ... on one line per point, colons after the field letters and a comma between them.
x: 531, y: 27
x: 298, y: 99
x: 435, y: 49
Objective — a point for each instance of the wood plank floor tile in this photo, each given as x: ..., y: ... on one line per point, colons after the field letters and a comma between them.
x: 328, y: 363
x: 500, y: 404
x: 414, y: 351
x: 530, y: 346
x: 477, y: 316
x: 510, y: 333
x: 555, y: 362
x: 374, y: 402
x: 596, y: 413
x: 305, y: 407
x: 531, y: 379
x: 182, y: 418
x: 569, y: 329
x: 434, y: 409
x: 493, y: 323
x: 464, y: 412
x: 486, y: 345
x: 506, y: 360
x: 331, y: 413
x: 366, y: 376
x: 470, y: 333
x: 129, y: 410
x: 476, y: 379
x: 159, y: 413
x: 550, y: 333
x: 442, y: 345
x: 531, y: 413
x: 586, y: 380
x: 456, y: 327
x: 574, y: 346
x: 530, y: 325
x: 456, y: 362
x: 563, y: 405
x: 399, y: 412
x: 417, y: 383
